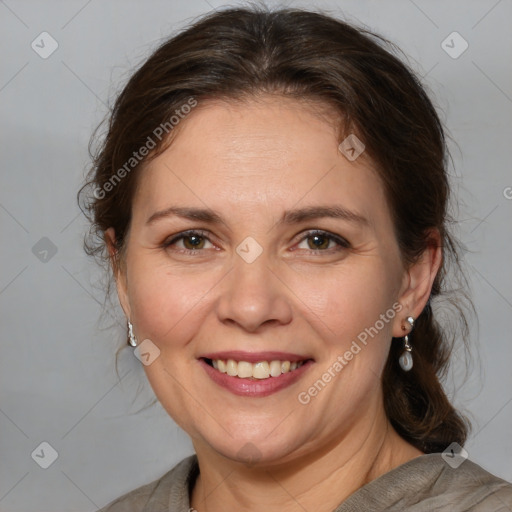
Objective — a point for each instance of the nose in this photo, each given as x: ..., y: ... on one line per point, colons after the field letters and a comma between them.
x: 253, y: 294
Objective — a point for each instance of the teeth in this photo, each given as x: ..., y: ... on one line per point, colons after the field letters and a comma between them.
x: 275, y: 368
x: 244, y: 369
x: 232, y: 368
x: 259, y: 370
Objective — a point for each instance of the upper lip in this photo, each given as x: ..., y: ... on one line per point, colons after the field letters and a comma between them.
x: 255, y: 357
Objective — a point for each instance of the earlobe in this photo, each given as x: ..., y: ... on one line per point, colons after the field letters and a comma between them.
x: 419, y: 280
x: 118, y: 272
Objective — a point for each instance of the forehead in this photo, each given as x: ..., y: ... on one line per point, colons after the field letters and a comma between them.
x: 271, y: 152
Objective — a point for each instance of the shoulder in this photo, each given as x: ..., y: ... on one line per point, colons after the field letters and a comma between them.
x: 171, y: 489
x: 470, y: 487
x: 429, y: 482
x: 458, y: 486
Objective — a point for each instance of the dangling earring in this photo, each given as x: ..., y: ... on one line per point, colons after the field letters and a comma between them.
x: 405, y: 359
x: 133, y: 339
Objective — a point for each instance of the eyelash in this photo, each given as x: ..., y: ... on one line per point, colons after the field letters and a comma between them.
x: 342, y: 243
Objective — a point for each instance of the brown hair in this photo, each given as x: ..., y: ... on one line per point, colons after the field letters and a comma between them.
x: 239, y: 53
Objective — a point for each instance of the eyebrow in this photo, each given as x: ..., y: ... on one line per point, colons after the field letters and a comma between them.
x: 289, y: 217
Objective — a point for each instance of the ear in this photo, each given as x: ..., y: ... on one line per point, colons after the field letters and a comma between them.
x: 418, y: 281
x: 119, y: 271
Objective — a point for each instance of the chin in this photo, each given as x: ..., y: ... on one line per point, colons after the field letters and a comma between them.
x: 250, y: 451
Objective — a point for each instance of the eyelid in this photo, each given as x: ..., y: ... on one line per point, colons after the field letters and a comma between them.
x: 184, y: 234
x: 342, y: 242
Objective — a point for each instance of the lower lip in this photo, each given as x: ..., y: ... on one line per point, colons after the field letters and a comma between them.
x: 256, y: 387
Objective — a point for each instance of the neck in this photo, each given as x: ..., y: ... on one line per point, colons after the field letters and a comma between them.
x: 317, y: 481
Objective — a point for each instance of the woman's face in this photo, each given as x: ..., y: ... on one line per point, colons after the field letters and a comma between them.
x: 257, y: 284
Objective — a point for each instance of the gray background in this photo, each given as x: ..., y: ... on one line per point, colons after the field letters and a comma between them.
x: 57, y: 377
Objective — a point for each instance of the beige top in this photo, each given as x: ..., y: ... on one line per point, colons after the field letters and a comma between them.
x: 426, y: 483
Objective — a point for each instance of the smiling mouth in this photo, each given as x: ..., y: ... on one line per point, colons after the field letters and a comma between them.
x: 254, y: 371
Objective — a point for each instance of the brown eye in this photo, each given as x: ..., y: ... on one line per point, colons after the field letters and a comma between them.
x: 192, y: 241
x: 319, y: 241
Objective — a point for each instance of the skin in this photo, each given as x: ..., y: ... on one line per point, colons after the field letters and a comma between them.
x: 250, y: 162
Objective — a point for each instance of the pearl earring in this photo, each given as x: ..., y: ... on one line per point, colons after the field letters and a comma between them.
x: 405, y: 360
x: 133, y: 339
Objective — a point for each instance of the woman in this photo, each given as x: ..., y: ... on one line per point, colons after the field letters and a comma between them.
x: 272, y: 193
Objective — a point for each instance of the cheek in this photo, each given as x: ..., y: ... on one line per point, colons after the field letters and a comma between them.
x: 170, y: 305
x: 343, y: 302
x: 165, y: 301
